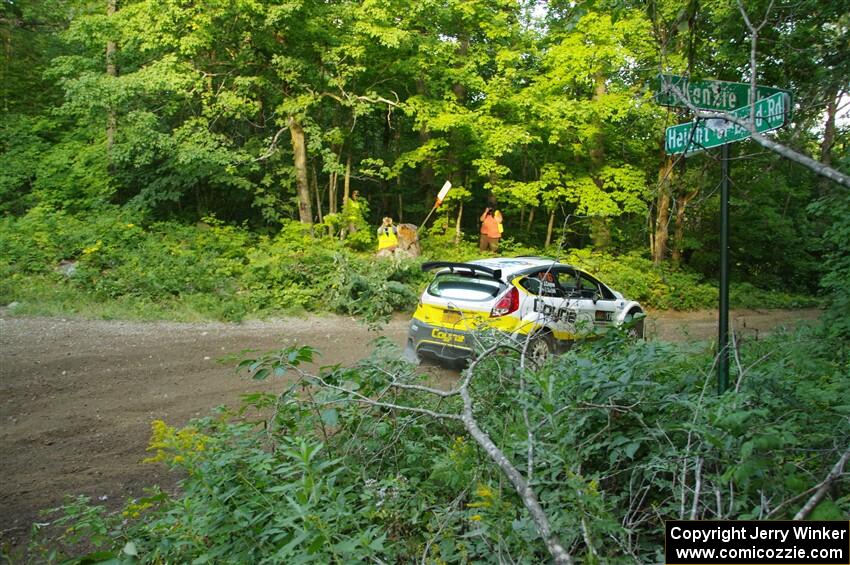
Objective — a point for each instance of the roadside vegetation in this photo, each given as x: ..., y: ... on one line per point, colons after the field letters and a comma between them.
x: 109, y: 266
x: 165, y: 160
x: 357, y: 464
x: 231, y: 159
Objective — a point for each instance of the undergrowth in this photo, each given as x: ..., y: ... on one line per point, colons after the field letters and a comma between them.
x: 623, y: 433
x: 107, y: 266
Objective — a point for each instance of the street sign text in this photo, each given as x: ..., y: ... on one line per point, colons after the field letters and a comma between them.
x: 770, y: 113
x: 716, y: 95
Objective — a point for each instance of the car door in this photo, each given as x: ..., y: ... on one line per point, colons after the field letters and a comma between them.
x: 577, y: 313
x: 545, y: 300
x: 596, y: 305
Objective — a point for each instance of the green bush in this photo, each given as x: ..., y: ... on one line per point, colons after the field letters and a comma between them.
x: 622, y: 433
x: 119, y: 267
x: 224, y: 271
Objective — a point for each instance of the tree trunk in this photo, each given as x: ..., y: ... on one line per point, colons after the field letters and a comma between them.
x: 662, y: 218
x: 828, y: 137
x: 315, y: 180
x: 679, y: 229
x: 600, y: 233
x: 346, y: 185
x: 332, y: 193
x: 332, y: 178
x: 550, y: 228
x: 112, y: 71
x: 678, y: 233
x: 426, y: 171
x: 457, y: 223
x: 299, y: 150
x: 400, y: 209
x: 530, y: 219
x: 462, y: 51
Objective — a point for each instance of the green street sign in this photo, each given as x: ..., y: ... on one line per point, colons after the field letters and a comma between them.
x: 716, y: 95
x: 770, y: 114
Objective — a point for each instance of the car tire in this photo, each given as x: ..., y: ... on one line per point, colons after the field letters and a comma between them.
x: 538, y: 349
x: 636, y: 331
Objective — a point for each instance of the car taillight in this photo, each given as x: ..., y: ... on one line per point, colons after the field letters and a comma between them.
x: 506, y: 304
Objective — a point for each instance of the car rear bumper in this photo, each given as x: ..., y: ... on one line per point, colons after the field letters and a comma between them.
x: 440, y: 342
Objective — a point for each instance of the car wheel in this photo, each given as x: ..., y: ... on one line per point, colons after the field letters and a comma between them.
x: 635, y: 321
x: 538, y: 349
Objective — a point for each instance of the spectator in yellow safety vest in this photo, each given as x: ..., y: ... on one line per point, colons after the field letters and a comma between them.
x: 387, y: 237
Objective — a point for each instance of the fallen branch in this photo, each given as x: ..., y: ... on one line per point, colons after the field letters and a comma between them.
x: 836, y: 472
x: 782, y: 150
x: 527, y: 495
x: 697, y: 488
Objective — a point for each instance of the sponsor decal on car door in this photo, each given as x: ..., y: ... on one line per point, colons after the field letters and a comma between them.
x: 555, y: 309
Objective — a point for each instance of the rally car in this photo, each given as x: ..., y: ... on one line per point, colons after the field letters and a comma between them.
x: 542, y: 304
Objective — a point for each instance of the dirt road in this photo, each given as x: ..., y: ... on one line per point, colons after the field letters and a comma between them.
x: 77, y: 396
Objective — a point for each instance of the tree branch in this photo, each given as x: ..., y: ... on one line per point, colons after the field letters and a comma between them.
x: 754, y: 34
x: 697, y: 488
x: 357, y: 397
x: 526, y: 494
x: 782, y: 150
x: 836, y: 471
x: 272, y: 146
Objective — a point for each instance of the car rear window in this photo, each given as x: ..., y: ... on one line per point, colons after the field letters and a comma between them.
x: 458, y: 287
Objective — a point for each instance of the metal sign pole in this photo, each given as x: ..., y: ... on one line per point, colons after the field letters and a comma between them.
x: 723, y: 332
x: 772, y: 109
x: 425, y: 221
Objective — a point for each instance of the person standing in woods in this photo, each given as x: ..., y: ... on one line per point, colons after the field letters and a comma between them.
x: 491, y: 229
x: 352, y: 210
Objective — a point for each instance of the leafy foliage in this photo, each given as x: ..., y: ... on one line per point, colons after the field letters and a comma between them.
x: 222, y: 271
x: 623, y: 432
x: 226, y: 272
x: 548, y: 110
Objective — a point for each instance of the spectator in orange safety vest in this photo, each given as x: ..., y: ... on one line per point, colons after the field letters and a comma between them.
x: 491, y: 230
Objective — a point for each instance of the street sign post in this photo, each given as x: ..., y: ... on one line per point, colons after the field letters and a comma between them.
x: 723, y: 314
x: 718, y: 95
x: 771, y: 108
x: 770, y: 114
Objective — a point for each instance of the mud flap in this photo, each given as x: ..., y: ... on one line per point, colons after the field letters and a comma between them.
x: 410, y: 355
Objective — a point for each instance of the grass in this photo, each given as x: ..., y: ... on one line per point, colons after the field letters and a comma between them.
x: 51, y: 295
x: 44, y: 295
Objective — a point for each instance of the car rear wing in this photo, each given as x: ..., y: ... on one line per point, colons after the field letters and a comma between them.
x: 455, y: 267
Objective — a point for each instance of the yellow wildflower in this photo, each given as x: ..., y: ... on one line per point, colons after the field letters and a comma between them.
x: 484, y: 491
x: 93, y: 248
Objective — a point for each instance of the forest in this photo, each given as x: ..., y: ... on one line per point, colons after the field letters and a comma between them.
x: 172, y: 151
x: 231, y: 159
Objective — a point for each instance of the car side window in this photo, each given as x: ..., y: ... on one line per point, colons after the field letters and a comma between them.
x: 586, y: 287
x: 567, y: 281
x: 542, y: 283
x: 531, y: 284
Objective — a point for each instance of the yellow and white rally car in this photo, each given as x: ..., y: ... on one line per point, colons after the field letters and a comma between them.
x: 543, y: 304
